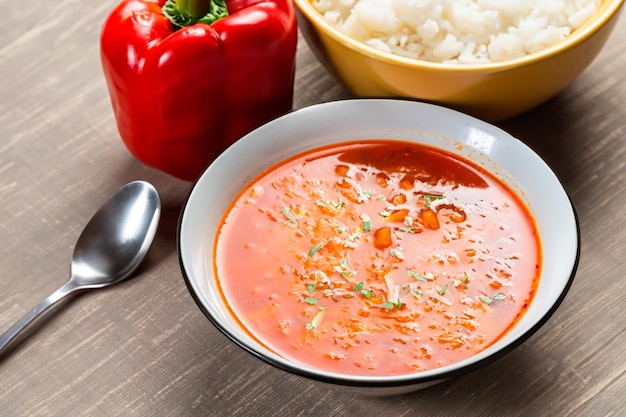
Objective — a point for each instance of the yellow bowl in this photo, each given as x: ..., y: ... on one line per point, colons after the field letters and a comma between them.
x: 493, y: 91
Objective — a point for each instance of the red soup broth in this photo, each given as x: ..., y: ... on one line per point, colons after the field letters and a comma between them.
x: 377, y: 258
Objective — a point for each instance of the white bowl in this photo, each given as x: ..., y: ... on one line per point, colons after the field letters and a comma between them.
x: 342, y: 121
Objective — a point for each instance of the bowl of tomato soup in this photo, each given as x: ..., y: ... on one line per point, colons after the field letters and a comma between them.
x: 378, y: 243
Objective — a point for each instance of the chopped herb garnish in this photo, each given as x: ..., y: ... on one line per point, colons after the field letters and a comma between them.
x: 381, y: 197
x: 465, y: 279
x: 415, y: 292
x: 414, y: 275
x: 317, y: 318
x: 358, y: 286
x: 408, y: 221
x: 335, y: 207
x: 291, y: 218
x: 310, y: 300
x: 441, y: 300
x: 488, y: 300
x: 367, y: 223
x: 344, y: 268
x: 396, y: 252
x: 315, y: 248
x: 428, y: 198
x: 341, y: 229
x: 408, y: 229
x: 387, y: 305
x: 367, y: 293
x: 399, y: 304
x: 364, y: 195
x: 310, y: 287
x: 443, y: 289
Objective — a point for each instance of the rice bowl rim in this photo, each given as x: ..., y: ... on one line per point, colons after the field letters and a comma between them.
x: 605, y: 12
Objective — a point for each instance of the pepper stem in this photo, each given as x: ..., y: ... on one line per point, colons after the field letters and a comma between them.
x: 194, y: 8
x: 189, y: 12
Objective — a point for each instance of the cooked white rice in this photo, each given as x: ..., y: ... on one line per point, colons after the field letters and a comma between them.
x: 458, y: 31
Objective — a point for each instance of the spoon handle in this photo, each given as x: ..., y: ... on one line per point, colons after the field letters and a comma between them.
x: 29, y: 317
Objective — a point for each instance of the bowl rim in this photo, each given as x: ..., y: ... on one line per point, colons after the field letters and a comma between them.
x: 606, y: 11
x: 394, y: 381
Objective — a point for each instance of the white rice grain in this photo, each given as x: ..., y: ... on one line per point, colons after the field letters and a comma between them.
x: 458, y: 31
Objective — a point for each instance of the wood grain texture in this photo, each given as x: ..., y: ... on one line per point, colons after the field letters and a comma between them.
x: 142, y: 348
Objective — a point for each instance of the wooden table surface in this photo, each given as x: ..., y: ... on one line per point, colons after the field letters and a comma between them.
x: 143, y: 348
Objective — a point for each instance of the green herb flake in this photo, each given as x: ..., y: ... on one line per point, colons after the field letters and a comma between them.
x: 443, y: 289
x: 291, y: 218
x: 397, y: 252
x: 344, y: 268
x: 399, y: 303
x: 387, y: 305
x: 408, y: 229
x: 414, y: 275
x: 367, y: 293
x: 317, y: 318
x: 465, y: 279
x: 320, y: 203
x: 363, y: 196
x: 367, y: 222
x: 314, y: 249
x: 428, y: 198
x: 381, y: 197
x: 310, y: 287
x: 497, y: 297
x: 310, y: 300
x: 415, y: 292
x: 358, y: 286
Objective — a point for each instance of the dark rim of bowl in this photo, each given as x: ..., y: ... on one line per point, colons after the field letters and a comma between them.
x: 410, y: 379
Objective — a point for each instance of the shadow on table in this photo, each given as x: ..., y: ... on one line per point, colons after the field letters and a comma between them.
x: 555, y: 131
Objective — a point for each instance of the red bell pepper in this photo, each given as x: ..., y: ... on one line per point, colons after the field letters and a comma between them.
x: 188, y: 78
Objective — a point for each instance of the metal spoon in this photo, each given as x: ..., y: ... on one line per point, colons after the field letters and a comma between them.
x: 108, y: 250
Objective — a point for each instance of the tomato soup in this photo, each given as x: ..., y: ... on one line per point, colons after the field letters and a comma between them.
x: 377, y: 258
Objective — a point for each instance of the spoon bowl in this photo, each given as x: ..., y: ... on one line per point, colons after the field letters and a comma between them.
x: 130, y: 219
x: 110, y: 248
